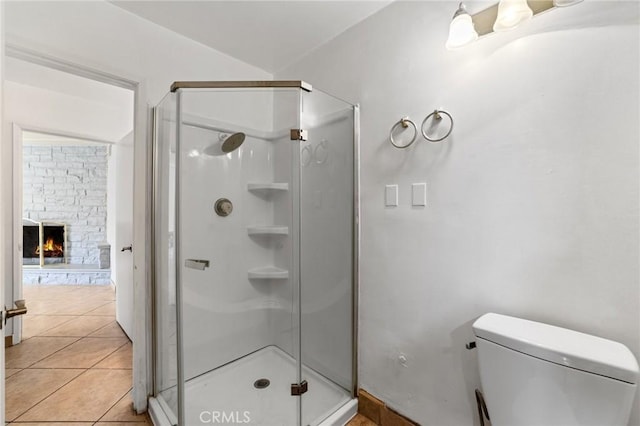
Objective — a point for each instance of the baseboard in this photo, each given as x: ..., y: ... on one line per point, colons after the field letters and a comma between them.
x: 377, y: 411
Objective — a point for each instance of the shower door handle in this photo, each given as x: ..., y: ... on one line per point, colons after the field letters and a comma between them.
x: 196, y: 264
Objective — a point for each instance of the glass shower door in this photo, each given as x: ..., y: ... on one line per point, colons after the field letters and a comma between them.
x: 327, y: 254
x: 166, y: 351
x: 235, y: 216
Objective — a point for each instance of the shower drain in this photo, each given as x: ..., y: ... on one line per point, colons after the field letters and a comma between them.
x: 261, y: 383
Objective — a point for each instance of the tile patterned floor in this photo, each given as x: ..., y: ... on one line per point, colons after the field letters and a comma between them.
x: 73, y: 367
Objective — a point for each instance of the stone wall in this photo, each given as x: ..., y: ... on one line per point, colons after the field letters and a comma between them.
x: 68, y: 184
x: 65, y: 276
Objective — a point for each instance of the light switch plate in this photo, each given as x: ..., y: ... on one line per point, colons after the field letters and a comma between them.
x: 391, y: 195
x: 419, y: 194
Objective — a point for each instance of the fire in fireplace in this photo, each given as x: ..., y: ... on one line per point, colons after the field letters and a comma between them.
x: 51, y: 247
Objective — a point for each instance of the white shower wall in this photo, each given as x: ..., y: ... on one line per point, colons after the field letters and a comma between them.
x: 225, y: 315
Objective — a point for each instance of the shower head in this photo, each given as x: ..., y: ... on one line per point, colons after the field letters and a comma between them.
x: 226, y: 144
x: 233, y: 142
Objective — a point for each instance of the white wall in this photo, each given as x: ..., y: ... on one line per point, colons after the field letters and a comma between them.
x: 56, y: 100
x: 50, y: 110
x: 104, y: 37
x: 532, y: 203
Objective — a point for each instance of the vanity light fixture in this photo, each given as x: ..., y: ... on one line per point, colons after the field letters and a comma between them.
x: 461, y: 29
x: 502, y: 16
x: 511, y: 13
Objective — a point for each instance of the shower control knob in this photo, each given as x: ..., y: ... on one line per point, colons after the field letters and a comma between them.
x: 223, y: 207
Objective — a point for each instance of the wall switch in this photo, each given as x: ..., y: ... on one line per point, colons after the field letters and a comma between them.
x: 419, y: 194
x: 391, y: 195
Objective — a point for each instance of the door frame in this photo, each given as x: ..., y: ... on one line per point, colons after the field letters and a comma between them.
x: 142, y: 349
x: 17, y: 130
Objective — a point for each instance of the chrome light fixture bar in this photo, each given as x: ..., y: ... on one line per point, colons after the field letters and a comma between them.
x: 563, y: 3
x: 502, y: 16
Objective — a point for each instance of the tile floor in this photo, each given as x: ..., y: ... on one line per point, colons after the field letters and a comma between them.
x: 73, y: 366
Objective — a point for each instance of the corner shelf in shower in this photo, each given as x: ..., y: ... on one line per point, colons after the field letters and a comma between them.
x: 268, y: 273
x: 268, y: 230
x: 268, y: 187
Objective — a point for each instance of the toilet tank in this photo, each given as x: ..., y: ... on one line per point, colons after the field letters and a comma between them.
x: 536, y: 374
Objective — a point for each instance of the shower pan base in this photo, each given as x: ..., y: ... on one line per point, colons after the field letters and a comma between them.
x: 230, y: 390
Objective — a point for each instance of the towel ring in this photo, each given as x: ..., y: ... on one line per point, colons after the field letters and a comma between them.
x: 404, y: 122
x: 437, y: 116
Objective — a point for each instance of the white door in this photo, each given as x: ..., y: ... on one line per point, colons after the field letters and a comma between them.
x: 123, y: 278
x: 5, y: 243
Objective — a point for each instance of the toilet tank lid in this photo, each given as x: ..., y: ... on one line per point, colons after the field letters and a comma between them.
x: 559, y: 345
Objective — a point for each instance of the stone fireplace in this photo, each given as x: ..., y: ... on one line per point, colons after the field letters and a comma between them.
x: 65, y: 191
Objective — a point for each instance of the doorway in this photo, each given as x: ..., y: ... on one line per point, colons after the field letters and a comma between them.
x: 73, y: 169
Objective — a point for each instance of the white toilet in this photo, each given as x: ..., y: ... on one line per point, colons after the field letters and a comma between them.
x: 536, y: 374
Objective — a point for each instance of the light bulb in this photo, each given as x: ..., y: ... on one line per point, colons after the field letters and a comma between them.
x: 511, y: 13
x: 461, y: 29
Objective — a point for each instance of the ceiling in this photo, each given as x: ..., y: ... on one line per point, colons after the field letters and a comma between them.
x: 268, y: 34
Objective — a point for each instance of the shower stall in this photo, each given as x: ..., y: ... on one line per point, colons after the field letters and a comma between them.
x: 255, y: 255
